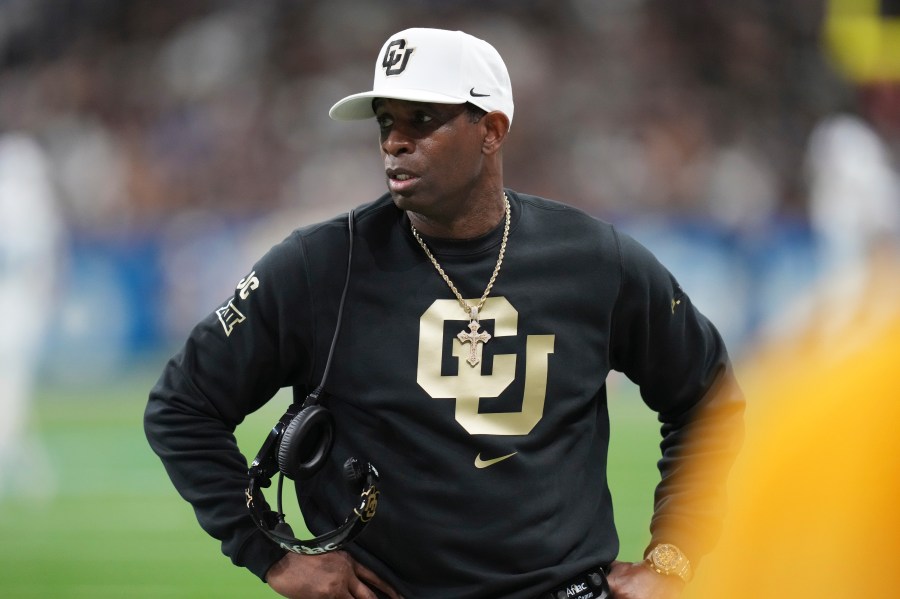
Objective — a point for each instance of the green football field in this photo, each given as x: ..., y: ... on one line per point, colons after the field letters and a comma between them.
x: 95, y: 516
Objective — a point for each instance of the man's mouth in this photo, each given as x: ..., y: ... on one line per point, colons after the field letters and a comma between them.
x: 400, y: 181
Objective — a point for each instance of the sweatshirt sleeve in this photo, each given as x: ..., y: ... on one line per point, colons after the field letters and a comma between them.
x: 678, y: 360
x: 233, y: 362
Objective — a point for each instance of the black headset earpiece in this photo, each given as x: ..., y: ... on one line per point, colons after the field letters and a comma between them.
x: 306, y: 443
x: 297, y: 447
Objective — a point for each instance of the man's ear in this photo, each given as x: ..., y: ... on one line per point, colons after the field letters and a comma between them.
x: 496, y: 125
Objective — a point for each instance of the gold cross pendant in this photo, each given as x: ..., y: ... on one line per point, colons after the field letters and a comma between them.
x: 473, y: 337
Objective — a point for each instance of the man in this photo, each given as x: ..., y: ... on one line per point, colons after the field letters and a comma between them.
x: 30, y: 257
x: 470, y: 369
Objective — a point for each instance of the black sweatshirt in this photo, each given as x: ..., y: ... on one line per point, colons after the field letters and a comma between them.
x: 575, y: 298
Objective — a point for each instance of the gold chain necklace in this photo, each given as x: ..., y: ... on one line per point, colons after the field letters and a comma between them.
x: 472, y: 337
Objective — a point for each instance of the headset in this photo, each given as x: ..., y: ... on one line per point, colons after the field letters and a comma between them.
x: 297, y: 447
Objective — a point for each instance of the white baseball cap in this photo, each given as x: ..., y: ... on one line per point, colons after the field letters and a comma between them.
x: 434, y: 65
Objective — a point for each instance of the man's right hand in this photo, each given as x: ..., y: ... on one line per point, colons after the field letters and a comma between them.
x: 333, y: 575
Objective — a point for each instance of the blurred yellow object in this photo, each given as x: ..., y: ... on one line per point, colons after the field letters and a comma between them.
x: 814, y: 508
x: 862, y: 37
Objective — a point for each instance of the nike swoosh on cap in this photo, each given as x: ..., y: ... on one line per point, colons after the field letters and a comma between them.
x: 475, y: 94
x: 479, y: 463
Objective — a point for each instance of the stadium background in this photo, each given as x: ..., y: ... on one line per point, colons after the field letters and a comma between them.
x: 181, y: 139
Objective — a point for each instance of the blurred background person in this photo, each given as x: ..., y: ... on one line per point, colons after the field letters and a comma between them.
x: 851, y: 170
x: 813, y: 495
x: 29, y: 268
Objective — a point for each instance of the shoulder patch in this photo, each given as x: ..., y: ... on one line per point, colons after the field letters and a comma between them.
x: 229, y: 317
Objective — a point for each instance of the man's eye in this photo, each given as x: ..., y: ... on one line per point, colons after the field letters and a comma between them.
x: 384, y: 122
x: 421, y: 117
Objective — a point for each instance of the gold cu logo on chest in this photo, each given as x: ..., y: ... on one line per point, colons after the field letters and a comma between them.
x: 470, y: 385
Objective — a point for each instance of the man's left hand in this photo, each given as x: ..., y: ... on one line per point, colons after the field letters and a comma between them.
x: 629, y: 580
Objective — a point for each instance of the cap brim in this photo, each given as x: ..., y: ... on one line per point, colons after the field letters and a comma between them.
x: 359, y: 106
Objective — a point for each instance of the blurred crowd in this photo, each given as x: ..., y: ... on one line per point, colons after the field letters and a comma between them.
x: 150, y: 108
x: 171, y: 128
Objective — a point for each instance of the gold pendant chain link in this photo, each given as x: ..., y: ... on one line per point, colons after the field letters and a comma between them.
x: 472, y: 311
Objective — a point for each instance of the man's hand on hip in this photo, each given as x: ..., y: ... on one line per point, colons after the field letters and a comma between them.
x: 636, y: 581
x: 333, y: 575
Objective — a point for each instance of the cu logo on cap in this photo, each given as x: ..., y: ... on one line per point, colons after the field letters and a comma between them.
x: 396, y: 55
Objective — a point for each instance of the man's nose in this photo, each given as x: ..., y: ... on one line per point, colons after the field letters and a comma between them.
x: 396, y: 143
